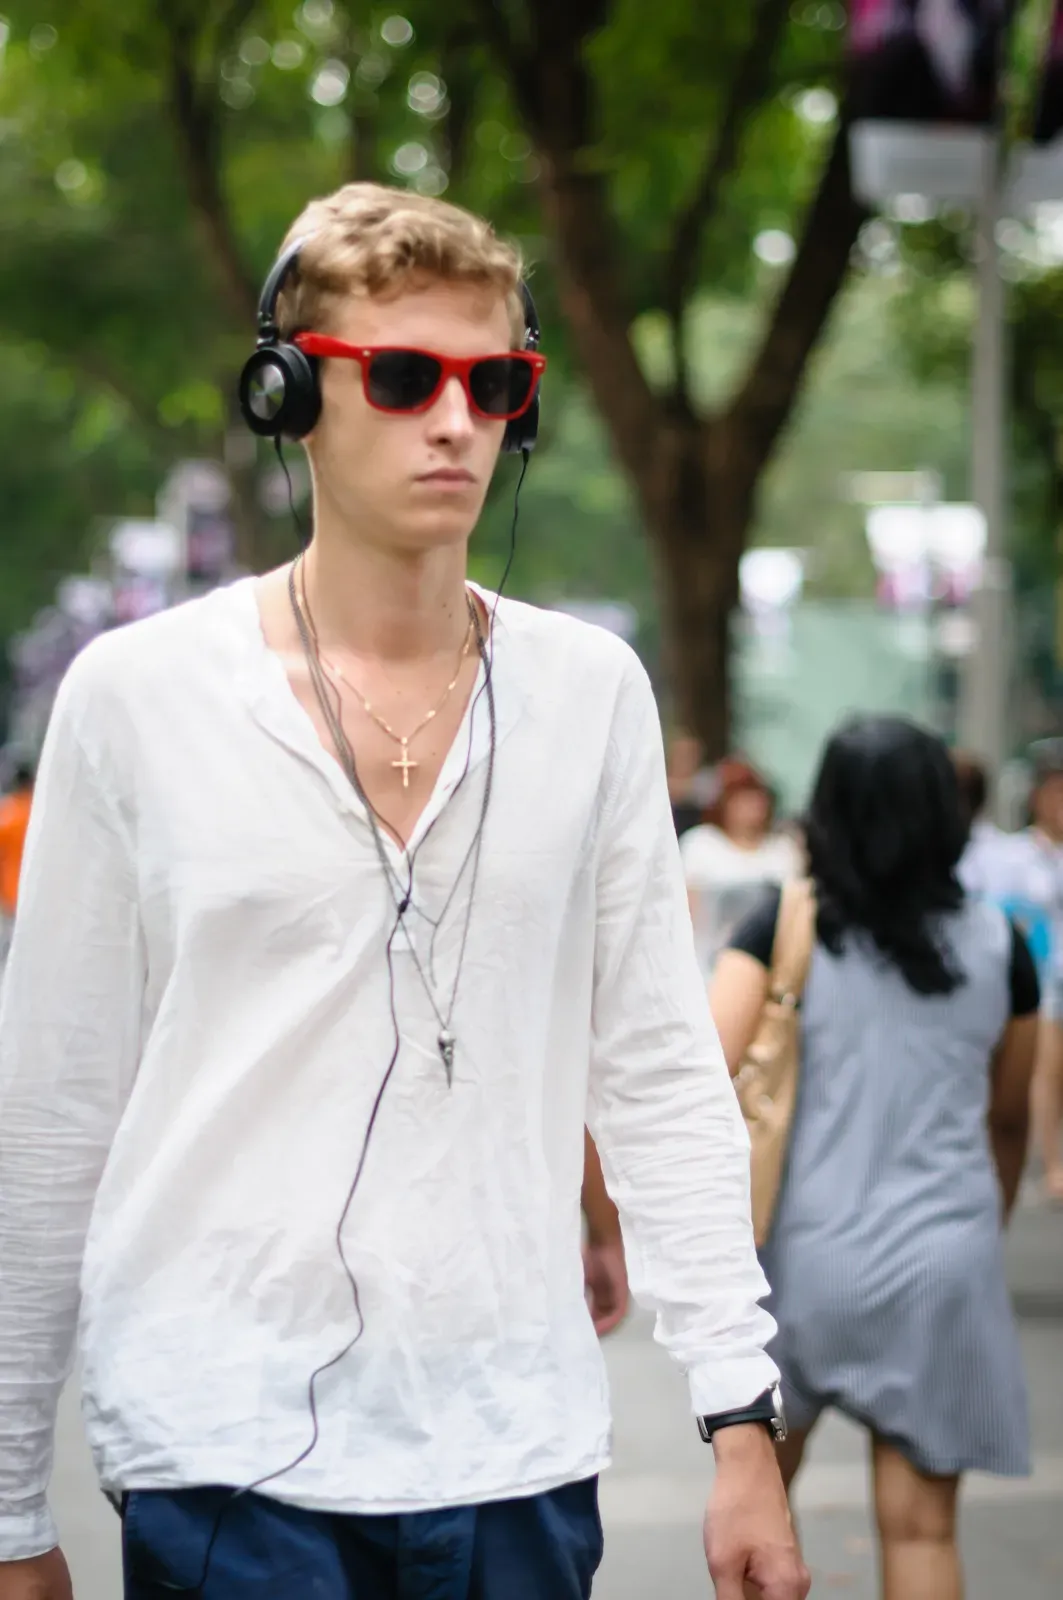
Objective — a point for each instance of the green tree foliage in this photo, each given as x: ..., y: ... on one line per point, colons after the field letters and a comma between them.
x: 153, y: 153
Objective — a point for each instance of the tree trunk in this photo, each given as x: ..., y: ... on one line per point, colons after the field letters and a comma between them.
x: 697, y: 502
x: 696, y: 481
x: 698, y: 592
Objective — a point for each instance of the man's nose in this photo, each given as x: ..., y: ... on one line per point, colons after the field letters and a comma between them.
x: 450, y: 416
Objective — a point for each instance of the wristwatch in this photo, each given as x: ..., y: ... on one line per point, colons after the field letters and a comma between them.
x: 767, y: 1408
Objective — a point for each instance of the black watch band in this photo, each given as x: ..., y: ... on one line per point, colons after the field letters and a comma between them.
x: 767, y: 1409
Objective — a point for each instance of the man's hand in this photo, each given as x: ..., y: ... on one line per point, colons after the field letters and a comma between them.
x: 749, y: 1535
x: 605, y: 1277
x: 42, y: 1578
x: 604, y: 1266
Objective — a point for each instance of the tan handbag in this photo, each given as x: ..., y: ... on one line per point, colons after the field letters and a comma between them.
x: 766, y: 1081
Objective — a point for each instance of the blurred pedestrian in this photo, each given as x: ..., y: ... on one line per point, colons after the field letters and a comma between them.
x: 1037, y: 867
x: 733, y: 855
x: 983, y: 865
x: 14, y: 821
x: 1023, y: 873
x: 918, y: 1028
x: 686, y: 772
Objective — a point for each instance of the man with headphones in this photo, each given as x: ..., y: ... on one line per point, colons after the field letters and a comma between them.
x: 351, y: 893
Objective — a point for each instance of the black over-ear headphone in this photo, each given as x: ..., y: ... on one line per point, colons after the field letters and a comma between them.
x: 280, y: 392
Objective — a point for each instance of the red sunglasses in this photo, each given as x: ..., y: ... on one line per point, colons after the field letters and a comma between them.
x: 497, y: 387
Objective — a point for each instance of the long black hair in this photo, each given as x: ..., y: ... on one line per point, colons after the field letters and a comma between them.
x: 885, y: 832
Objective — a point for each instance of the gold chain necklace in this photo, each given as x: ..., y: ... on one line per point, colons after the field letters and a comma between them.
x: 404, y: 764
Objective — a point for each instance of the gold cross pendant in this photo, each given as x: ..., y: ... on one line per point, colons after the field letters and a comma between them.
x: 405, y: 766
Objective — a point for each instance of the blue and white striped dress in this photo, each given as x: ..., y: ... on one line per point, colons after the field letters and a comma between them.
x: 885, y: 1256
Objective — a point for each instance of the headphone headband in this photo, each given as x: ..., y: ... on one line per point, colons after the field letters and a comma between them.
x: 278, y: 276
x: 532, y: 331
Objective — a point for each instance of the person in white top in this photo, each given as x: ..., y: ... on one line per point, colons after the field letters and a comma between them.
x: 1023, y: 873
x: 351, y: 893
x: 984, y: 865
x: 733, y: 857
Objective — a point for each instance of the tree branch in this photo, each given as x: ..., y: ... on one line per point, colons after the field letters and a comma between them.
x: 751, y: 84
x: 458, y: 64
x: 509, y: 54
x: 592, y: 299
x: 197, y: 125
x: 762, y: 407
x: 550, y: 82
x: 499, y: 36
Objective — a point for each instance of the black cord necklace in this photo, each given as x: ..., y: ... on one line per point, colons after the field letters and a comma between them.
x: 402, y: 894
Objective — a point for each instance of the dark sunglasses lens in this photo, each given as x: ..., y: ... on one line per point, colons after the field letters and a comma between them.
x: 402, y: 380
x: 501, y: 385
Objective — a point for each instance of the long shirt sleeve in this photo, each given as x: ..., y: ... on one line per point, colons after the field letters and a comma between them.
x: 662, y: 1108
x: 69, y: 1024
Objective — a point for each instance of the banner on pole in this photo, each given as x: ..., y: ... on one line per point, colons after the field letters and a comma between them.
x: 927, y: 61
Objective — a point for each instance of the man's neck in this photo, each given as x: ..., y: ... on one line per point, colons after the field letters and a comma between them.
x: 376, y: 602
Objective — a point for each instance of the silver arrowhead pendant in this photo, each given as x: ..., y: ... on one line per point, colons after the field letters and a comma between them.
x: 446, y: 1050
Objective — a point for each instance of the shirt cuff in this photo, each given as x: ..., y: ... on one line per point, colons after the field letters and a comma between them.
x: 27, y: 1533
x: 730, y: 1385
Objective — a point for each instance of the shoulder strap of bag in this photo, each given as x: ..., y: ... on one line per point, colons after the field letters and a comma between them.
x: 795, y: 938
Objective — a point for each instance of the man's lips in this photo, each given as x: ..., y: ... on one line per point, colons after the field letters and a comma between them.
x: 452, y: 475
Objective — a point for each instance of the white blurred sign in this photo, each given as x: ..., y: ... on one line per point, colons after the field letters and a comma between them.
x: 942, y: 162
x: 771, y: 579
x: 926, y: 553
x: 770, y: 583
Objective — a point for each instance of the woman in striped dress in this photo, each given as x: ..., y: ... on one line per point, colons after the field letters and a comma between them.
x: 885, y: 1255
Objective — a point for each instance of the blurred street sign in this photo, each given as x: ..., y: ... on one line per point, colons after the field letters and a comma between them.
x: 771, y: 579
x: 939, y: 163
x: 892, y: 488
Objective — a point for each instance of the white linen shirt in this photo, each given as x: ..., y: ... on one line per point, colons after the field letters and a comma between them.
x: 196, y: 1023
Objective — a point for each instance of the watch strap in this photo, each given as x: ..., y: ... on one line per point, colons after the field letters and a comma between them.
x: 765, y: 1409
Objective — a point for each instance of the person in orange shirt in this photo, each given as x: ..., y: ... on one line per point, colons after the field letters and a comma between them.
x: 14, y: 820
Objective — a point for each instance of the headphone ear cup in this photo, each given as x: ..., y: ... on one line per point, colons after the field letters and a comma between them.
x: 279, y: 392
x: 522, y: 432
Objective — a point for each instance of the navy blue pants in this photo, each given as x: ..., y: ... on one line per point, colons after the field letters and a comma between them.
x: 546, y: 1547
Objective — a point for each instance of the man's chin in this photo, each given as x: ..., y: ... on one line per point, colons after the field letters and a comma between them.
x: 439, y: 530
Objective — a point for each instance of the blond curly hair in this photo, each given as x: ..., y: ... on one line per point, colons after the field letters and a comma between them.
x: 368, y: 238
